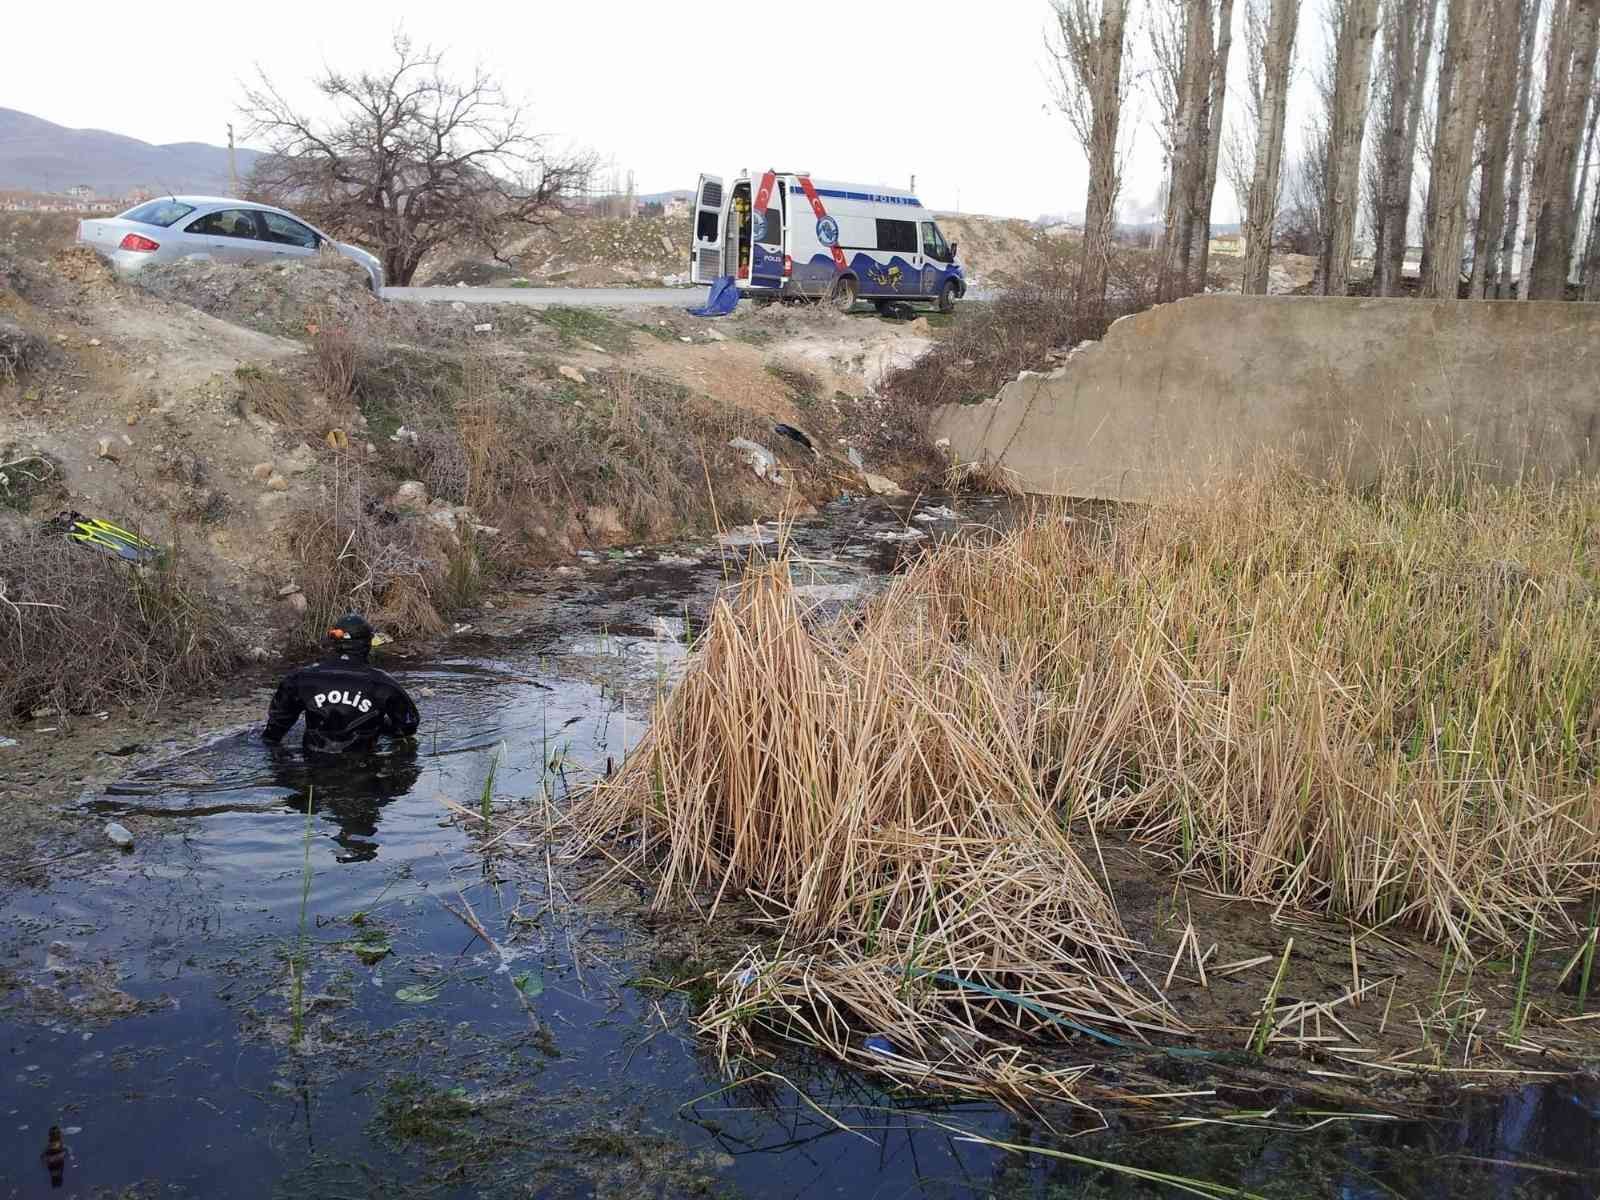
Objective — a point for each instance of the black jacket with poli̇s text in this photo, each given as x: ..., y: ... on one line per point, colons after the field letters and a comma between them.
x: 347, y: 703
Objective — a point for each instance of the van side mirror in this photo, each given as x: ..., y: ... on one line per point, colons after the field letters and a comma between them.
x: 954, y: 246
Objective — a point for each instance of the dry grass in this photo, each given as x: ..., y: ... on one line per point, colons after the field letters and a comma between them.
x: 1383, y: 706
x: 351, y: 554
x: 923, y: 886
x: 80, y: 631
x: 19, y: 350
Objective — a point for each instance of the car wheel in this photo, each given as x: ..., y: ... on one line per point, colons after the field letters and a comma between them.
x: 842, y: 296
x: 947, y: 296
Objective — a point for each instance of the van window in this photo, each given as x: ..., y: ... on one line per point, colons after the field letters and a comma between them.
x: 772, y: 234
x: 898, y: 236
x: 933, y: 243
x: 705, y: 226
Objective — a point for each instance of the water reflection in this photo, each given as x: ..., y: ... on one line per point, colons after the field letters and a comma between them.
x: 348, y: 790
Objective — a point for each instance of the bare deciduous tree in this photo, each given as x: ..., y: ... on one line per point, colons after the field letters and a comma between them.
x: 1455, y: 127
x: 1500, y: 106
x: 1189, y: 149
x: 411, y: 161
x: 1273, y: 49
x: 1090, y: 90
x: 1569, y: 74
x: 1205, y: 195
x: 1407, y: 48
x: 1526, y: 61
x: 1352, y: 78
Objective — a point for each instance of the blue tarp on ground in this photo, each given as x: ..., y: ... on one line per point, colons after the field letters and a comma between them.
x: 724, y: 295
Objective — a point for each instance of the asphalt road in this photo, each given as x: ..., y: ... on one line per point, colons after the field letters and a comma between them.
x: 688, y: 297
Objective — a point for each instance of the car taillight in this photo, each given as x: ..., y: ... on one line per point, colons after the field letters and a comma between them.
x: 135, y: 242
x: 788, y: 265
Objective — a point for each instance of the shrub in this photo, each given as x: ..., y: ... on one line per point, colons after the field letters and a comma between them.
x: 80, y: 631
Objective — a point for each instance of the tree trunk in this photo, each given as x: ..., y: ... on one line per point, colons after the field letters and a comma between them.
x: 1105, y: 112
x: 1499, y: 106
x: 1558, y: 148
x: 1189, y: 150
x: 1519, y: 144
x: 1455, y: 128
x: 1201, y: 233
x: 1591, y: 266
x: 1408, y: 45
x: 1352, y: 80
x: 1583, y: 177
x: 1261, y: 212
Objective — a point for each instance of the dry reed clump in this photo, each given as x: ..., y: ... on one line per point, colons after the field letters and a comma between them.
x: 351, y: 553
x: 852, y: 791
x: 1383, y: 706
x: 80, y: 631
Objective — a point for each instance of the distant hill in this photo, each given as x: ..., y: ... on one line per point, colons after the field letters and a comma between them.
x: 40, y: 156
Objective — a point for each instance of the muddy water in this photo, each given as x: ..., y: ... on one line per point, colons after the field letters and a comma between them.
x: 151, y: 1006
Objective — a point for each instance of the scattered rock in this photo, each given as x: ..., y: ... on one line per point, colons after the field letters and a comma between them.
x: 94, y: 341
x: 277, y: 483
x: 289, y: 588
x: 259, y: 654
x: 412, y: 495
x: 856, y: 461
x: 405, y: 435
x: 297, y: 602
x: 572, y: 373
x: 457, y: 305
x: 484, y: 327
x: 882, y: 485
x: 104, y: 449
x: 119, y: 836
x: 444, y: 519
x: 300, y: 460
x: 568, y: 572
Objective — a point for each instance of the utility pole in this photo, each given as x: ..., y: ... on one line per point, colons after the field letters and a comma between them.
x: 913, y: 188
x: 233, y: 164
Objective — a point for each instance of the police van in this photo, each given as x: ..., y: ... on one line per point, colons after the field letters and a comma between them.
x: 784, y: 234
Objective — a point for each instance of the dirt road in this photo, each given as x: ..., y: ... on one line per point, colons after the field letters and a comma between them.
x: 549, y: 297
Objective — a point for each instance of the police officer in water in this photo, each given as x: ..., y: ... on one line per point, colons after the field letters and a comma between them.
x: 347, y: 702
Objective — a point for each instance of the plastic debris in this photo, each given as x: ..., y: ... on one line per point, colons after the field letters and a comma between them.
x: 878, y: 1044
x: 119, y: 836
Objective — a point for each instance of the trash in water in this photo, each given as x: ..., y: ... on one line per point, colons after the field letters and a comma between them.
x: 762, y: 461
x: 99, y: 534
x: 878, y: 1044
x: 416, y: 994
x: 940, y: 513
x: 7, y: 743
x: 119, y: 836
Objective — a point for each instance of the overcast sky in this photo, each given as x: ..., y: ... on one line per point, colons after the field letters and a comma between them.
x: 953, y: 91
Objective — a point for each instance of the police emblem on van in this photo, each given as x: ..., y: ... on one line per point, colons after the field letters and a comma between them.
x: 827, y: 231
x: 758, y: 226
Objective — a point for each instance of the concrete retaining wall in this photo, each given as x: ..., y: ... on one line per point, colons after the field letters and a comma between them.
x: 1189, y: 391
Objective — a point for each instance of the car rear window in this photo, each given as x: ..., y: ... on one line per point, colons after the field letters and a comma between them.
x: 159, y: 212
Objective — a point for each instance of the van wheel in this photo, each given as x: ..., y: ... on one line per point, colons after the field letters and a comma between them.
x: 947, y: 297
x: 842, y: 296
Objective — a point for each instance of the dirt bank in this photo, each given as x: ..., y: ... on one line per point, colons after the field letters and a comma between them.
x: 225, y: 409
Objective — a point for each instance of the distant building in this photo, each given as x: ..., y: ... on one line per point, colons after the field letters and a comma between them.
x: 81, y: 191
x: 675, y: 206
x: 25, y: 201
x: 1228, y: 243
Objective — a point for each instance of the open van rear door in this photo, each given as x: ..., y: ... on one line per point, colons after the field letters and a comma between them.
x: 705, y: 256
x: 766, y: 234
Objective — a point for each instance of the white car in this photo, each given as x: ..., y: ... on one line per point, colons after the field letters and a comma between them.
x: 211, y: 227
